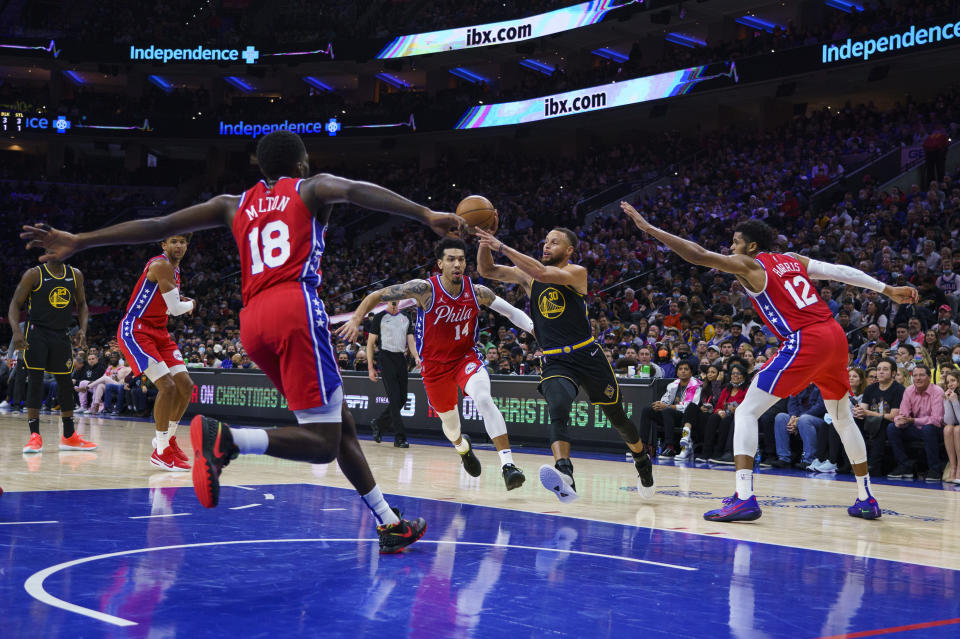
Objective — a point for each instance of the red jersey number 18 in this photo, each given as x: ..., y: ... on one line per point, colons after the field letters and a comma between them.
x: 275, y: 238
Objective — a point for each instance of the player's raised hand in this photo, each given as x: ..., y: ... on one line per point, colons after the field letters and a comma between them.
x: 487, y: 239
x: 634, y: 215
x: 59, y: 245
x: 902, y: 294
x: 350, y: 329
x: 446, y: 224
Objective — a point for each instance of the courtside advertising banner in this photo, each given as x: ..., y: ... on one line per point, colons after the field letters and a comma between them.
x: 483, y: 35
x: 654, y: 87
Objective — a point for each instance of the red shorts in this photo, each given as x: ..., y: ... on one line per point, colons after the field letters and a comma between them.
x: 286, y: 332
x: 143, y: 346
x: 816, y: 354
x: 442, y: 379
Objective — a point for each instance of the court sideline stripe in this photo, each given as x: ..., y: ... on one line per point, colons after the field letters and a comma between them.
x: 34, y: 583
x: 889, y: 631
x: 18, y: 523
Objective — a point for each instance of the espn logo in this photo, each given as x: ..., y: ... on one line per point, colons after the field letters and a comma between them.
x: 357, y: 401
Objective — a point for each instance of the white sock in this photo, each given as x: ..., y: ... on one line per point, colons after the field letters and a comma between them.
x: 745, y: 483
x: 378, y: 505
x: 506, y: 457
x: 172, y: 429
x: 463, y: 447
x: 250, y: 441
x: 863, y: 487
x: 163, y: 440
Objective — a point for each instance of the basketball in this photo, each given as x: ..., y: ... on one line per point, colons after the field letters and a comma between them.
x: 478, y: 211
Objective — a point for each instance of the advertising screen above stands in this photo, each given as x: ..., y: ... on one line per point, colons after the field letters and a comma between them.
x: 485, y: 35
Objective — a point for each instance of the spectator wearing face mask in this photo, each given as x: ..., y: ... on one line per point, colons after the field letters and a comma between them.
x: 718, y: 427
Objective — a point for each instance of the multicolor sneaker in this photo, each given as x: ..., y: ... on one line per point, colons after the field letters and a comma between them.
x: 865, y: 508
x: 76, y: 442
x: 213, y: 448
x: 395, y: 537
x: 736, y: 509
x: 559, y: 483
x: 34, y: 444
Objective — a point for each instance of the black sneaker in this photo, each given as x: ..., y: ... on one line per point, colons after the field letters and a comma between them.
x: 667, y: 452
x: 469, y: 460
x: 395, y: 537
x: 779, y: 463
x: 902, y: 471
x: 512, y: 476
x: 377, y: 435
x: 400, y: 442
x: 213, y: 448
x: 726, y: 459
x: 644, y: 465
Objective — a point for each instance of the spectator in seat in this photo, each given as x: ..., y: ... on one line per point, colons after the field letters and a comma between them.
x: 804, y: 410
x: 946, y: 333
x: 678, y: 407
x: 718, y: 427
x: 493, y: 356
x: 878, y: 407
x: 920, y: 419
x: 951, y: 425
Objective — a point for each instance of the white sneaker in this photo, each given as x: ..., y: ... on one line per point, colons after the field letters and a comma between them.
x: 684, y: 454
x: 826, y: 467
x: 685, y: 440
x: 4, y: 404
x: 560, y: 484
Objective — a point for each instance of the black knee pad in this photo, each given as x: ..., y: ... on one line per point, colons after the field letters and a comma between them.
x: 64, y: 392
x: 559, y: 393
x: 34, y: 388
x: 619, y: 420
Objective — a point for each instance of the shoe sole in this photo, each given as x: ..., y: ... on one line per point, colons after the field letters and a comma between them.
x: 869, y: 516
x: 752, y: 516
x: 552, y: 480
x: 206, y: 484
x: 399, y: 549
x: 32, y: 450
x: 69, y: 447
x: 171, y: 469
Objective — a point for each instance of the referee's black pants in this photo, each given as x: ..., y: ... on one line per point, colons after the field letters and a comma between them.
x: 393, y: 370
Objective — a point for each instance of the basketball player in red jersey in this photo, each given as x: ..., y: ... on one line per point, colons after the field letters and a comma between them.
x: 279, y: 225
x: 813, y: 347
x: 148, y: 348
x: 447, y: 330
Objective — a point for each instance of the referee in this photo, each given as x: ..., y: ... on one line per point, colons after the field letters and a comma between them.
x: 51, y: 291
x: 395, y: 333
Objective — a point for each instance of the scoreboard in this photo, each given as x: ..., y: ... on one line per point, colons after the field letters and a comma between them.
x: 13, y: 122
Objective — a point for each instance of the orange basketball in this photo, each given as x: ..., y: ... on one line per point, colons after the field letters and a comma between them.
x: 478, y: 211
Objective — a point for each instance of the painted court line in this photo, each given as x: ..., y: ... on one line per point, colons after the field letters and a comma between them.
x: 247, y: 506
x: 21, y: 523
x: 154, y: 516
x: 243, y: 487
x: 34, y: 583
x: 888, y: 631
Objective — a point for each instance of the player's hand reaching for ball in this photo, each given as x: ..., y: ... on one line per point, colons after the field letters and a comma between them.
x: 487, y: 239
x: 634, y: 215
x: 350, y: 330
x: 59, y: 245
x: 446, y: 224
x: 902, y: 294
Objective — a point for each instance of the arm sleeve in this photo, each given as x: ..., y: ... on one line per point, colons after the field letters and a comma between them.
x: 845, y: 274
x: 174, y: 305
x: 520, y: 319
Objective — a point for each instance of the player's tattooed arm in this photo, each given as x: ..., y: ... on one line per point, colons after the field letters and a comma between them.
x: 419, y: 290
x: 484, y: 295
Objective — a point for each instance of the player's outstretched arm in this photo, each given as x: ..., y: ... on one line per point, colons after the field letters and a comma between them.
x: 419, y: 290
x: 60, y: 244
x: 331, y: 189
x: 531, y: 268
x: 855, y: 277
x: 692, y: 252
x: 497, y: 304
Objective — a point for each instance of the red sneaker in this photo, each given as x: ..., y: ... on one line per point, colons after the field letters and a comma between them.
x: 178, y: 452
x: 76, y: 442
x: 34, y: 444
x: 168, y: 460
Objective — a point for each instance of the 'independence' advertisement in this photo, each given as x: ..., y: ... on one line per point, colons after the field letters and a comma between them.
x: 579, y: 15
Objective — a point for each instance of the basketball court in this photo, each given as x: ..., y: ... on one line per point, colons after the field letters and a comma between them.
x: 97, y: 544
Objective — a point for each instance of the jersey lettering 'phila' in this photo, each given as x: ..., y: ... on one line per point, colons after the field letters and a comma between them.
x: 552, y: 106
x: 479, y: 37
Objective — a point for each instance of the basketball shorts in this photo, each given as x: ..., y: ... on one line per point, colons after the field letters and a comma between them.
x: 286, y: 332
x: 149, y: 350
x: 587, y: 368
x: 48, y: 349
x: 816, y: 354
x: 441, y: 380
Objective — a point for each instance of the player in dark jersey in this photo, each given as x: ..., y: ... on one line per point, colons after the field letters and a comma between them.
x: 447, y: 330
x: 279, y: 227
x: 51, y: 291
x: 572, y: 358
x: 813, y: 347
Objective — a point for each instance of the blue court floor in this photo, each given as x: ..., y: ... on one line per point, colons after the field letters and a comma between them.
x: 301, y: 561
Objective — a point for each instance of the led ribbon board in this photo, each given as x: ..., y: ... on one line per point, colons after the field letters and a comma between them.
x: 654, y: 87
x: 579, y: 15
